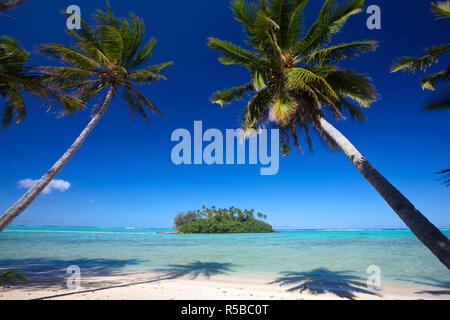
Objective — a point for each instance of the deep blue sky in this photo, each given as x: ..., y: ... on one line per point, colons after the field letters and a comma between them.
x: 123, y: 174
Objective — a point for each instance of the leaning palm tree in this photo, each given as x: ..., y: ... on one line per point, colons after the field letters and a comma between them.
x: 106, y: 57
x: 16, y: 78
x: 296, y: 82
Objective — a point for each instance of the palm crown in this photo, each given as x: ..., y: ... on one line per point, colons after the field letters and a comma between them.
x: 441, y: 10
x: 17, y: 78
x: 109, y: 54
x: 295, y: 79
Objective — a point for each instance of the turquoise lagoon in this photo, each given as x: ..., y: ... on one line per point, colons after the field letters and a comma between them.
x: 337, y: 254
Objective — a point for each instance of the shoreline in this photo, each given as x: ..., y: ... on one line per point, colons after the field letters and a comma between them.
x: 158, y: 286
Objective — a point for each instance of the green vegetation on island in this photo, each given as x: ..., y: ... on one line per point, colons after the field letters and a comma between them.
x: 212, y: 220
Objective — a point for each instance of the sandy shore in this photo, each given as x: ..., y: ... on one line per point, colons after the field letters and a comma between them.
x: 150, y: 286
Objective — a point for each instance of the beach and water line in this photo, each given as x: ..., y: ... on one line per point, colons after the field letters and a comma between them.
x: 289, y: 264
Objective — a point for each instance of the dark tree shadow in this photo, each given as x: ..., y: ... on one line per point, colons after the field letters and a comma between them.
x: 195, y: 269
x: 434, y: 292
x: 319, y: 281
x: 109, y: 267
x: 43, y: 273
x: 442, y: 286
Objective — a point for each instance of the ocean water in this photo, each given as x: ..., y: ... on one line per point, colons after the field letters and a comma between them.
x: 341, y: 255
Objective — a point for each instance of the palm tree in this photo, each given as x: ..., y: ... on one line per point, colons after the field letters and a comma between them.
x: 441, y: 100
x: 16, y: 79
x: 296, y: 82
x: 413, y: 64
x: 109, y: 56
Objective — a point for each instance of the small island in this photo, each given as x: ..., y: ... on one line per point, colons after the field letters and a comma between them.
x: 212, y: 220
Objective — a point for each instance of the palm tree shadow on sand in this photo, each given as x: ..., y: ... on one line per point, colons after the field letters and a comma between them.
x: 108, y: 267
x: 42, y: 273
x: 440, y: 287
x: 320, y: 281
x: 195, y: 270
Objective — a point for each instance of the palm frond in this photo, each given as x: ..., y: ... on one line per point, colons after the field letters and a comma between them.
x: 439, y: 101
x: 350, y: 84
x: 14, y: 108
x: 313, y: 80
x: 140, y: 100
x: 257, y: 108
x: 142, y: 54
x: 429, y: 82
x: 445, y: 176
x: 337, y: 53
x: 354, y: 111
x: 11, y: 277
x: 134, y: 106
x: 149, y: 74
x: 441, y: 9
x: 295, y: 25
x: 412, y: 64
x: 133, y: 33
x: 16, y: 79
x: 245, y: 13
x: 68, y: 55
x: 112, y: 41
x: 332, y: 17
x: 229, y: 95
x: 233, y: 54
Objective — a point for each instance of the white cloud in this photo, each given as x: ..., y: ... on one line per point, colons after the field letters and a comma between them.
x: 57, y: 184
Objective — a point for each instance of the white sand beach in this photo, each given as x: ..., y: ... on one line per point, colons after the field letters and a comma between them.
x: 151, y: 286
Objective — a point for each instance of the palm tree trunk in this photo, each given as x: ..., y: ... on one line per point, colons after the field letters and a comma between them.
x: 431, y: 236
x: 34, y: 191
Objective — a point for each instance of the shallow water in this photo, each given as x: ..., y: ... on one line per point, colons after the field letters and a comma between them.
x: 341, y: 255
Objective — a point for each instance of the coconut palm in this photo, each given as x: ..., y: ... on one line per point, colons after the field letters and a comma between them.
x: 296, y: 83
x: 109, y: 56
x: 16, y: 79
x: 441, y: 100
x: 441, y: 10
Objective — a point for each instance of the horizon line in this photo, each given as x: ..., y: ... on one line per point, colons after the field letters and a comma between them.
x: 281, y: 229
